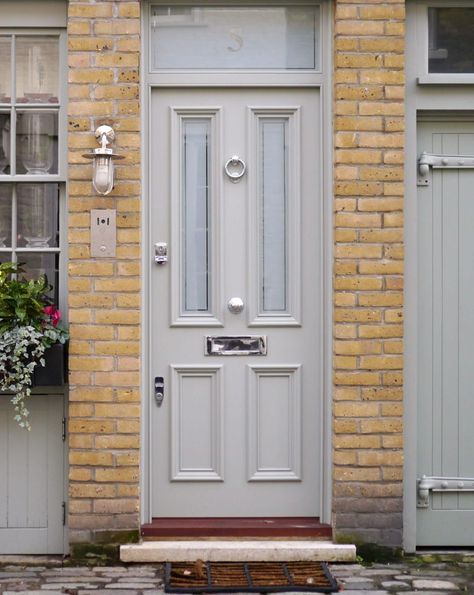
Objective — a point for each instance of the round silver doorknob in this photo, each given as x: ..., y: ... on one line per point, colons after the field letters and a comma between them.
x: 235, y: 305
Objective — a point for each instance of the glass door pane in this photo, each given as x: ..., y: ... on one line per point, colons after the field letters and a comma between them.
x: 273, y: 225
x: 195, y: 214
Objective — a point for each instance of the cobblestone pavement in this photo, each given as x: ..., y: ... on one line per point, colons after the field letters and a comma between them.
x: 354, y: 579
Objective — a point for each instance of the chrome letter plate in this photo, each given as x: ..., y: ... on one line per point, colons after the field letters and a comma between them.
x: 237, y: 345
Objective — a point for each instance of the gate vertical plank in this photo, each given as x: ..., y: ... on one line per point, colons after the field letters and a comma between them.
x: 3, y: 461
x: 39, y: 465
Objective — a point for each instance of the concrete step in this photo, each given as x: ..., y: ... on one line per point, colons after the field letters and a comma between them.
x: 237, y: 551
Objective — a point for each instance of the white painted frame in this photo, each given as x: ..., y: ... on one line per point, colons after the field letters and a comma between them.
x: 321, y: 80
x: 440, y: 101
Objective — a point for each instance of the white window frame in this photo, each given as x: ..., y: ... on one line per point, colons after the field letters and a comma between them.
x: 424, y: 77
x: 60, y: 177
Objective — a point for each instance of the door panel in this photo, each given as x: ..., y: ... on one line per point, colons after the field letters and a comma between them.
x: 446, y: 335
x: 32, y: 478
x: 236, y: 435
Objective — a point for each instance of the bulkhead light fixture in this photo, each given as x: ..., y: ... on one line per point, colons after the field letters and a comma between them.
x: 103, y: 160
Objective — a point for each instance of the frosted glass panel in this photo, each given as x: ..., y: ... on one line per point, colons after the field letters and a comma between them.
x: 195, y: 220
x: 37, y: 69
x: 217, y: 37
x: 273, y: 199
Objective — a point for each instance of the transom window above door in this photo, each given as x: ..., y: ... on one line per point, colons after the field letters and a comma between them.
x: 235, y: 37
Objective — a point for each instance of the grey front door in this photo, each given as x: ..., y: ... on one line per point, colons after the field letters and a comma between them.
x: 235, y: 193
x: 445, y: 394
x: 32, y: 478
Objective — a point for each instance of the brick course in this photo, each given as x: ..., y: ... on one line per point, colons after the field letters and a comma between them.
x: 104, y: 294
x: 368, y: 269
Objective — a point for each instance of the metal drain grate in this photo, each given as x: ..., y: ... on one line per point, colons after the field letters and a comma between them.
x: 253, y: 577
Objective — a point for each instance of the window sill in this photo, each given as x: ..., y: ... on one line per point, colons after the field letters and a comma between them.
x: 446, y: 79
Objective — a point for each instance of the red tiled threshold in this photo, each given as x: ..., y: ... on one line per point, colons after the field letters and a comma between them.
x: 238, y: 527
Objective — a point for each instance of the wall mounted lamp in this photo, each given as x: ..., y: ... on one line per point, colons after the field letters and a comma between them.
x: 103, y: 160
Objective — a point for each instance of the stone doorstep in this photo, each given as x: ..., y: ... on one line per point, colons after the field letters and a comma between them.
x: 237, y: 551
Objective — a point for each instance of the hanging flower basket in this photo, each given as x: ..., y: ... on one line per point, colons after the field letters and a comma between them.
x: 31, y: 335
x: 54, y: 372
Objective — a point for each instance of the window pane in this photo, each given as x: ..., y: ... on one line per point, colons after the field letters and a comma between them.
x: 37, y: 69
x: 37, y: 225
x: 36, y: 264
x: 234, y: 37
x: 451, y: 31
x: 5, y: 215
x: 195, y: 223
x: 37, y: 142
x: 5, y: 65
x: 273, y: 200
x: 4, y: 144
x: 5, y: 257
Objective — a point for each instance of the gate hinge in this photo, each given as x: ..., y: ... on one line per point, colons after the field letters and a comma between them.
x: 435, y: 161
x: 441, y: 484
x: 64, y: 429
x: 64, y: 512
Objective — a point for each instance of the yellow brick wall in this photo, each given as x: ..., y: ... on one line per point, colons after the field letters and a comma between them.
x: 368, y: 268
x: 104, y: 293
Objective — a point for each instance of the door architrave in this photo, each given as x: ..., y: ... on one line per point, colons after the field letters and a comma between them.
x: 321, y: 80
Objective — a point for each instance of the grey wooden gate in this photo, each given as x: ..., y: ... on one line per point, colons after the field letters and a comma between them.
x: 32, y: 478
x: 445, y: 395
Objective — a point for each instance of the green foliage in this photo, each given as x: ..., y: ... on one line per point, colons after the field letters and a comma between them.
x: 22, y: 301
x: 29, y: 324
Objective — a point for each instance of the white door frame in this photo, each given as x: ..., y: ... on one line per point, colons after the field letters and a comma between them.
x: 434, y: 101
x: 321, y: 80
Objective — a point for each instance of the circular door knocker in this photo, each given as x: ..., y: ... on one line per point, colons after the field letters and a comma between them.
x: 235, y: 168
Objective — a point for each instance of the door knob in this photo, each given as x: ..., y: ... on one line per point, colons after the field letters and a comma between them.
x: 235, y: 305
x: 235, y: 168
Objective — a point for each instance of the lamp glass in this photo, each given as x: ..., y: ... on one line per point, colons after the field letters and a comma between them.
x: 103, y: 180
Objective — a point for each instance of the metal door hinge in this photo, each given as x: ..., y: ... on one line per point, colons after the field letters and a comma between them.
x: 435, y: 161
x: 64, y: 512
x: 64, y: 429
x: 441, y: 484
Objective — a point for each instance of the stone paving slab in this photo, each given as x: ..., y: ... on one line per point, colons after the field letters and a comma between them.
x: 146, y: 579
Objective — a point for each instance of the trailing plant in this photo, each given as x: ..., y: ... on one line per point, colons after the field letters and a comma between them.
x: 29, y: 325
